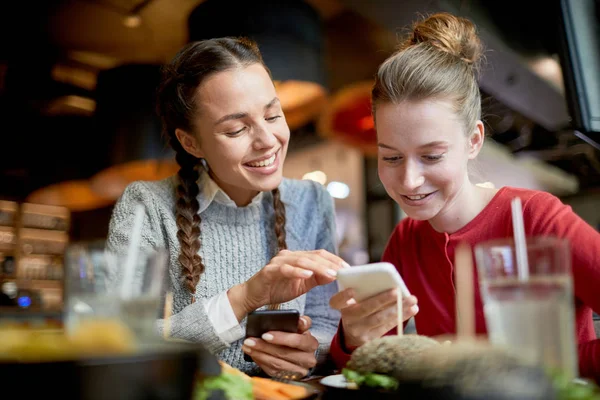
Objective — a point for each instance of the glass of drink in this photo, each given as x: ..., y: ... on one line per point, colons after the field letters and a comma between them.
x: 534, y: 314
x: 99, y: 288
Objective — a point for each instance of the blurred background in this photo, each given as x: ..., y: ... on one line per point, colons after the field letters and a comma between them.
x: 77, y: 121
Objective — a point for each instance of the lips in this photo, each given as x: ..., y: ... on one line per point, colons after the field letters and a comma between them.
x: 417, y: 199
x: 263, y: 162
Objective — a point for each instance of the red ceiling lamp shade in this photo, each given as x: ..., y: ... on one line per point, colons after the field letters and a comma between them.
x: 348, y: 118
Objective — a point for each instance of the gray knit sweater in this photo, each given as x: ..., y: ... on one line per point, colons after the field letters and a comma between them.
x: 236, y: 242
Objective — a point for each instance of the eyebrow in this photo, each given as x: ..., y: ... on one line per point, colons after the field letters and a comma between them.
x: 425, y: 146
x: 240, y: 115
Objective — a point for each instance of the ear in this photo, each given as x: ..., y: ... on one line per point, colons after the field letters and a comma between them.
x: 189, y: 143
x: 476, y: 140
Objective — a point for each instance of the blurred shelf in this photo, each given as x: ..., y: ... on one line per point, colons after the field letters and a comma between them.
x: 33, y: 239
x: 35, y: 283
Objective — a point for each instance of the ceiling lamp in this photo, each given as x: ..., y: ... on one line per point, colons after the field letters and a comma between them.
x: 125, y: 115
x: 348, y: 118
x: 75, y: 195
x: 289, y: 34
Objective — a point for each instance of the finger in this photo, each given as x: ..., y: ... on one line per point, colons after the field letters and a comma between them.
x: 302, y: 358
x: 319, y: 265
x: 312, y: 261
x: 292, y: 272
x: 340, y: 299
x: 371, y: 305
x: 381, y: 330
x: 409, y: 301
x: 272, y: 365
x: 302, y: 342
x: 383, y: 317
x: 331, y: 257
x: 409, y: 312
x: 304, y: 323
x: 409, y: 307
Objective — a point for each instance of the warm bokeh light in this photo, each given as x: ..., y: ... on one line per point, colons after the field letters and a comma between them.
x: 317, y: 176
x: 111, y: 182
x: 75, y: 195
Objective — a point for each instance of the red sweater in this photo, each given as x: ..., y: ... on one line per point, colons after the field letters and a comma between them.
x: 425, y: 260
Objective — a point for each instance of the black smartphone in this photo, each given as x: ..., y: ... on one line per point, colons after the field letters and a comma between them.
x: 260, y: 322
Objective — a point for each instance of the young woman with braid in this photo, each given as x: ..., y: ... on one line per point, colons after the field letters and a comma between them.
x: 427, y: 110
x: 239, y: 235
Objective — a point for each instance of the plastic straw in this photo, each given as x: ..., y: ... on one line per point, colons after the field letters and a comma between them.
x: 465, y: 296
x: 168, y: 311
x: 400, y: 328
x: 132, y: 252
x: 520, y: 242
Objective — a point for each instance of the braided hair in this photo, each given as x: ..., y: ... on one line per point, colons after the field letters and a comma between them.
x: 176, y: 107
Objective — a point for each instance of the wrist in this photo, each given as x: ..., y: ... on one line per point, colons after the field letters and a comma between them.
x: 239, y: 300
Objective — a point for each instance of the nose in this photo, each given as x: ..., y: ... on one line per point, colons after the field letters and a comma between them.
x: 412, y: 176
x: 263, y: 137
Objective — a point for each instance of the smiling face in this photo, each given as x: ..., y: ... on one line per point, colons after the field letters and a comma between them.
x: 423, y: 156
x: 240, y: 131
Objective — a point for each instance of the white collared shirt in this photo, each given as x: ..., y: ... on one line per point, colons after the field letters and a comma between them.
x: 218, y: 308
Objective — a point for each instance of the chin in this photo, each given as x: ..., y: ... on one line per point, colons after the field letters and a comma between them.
x: 269, y: 184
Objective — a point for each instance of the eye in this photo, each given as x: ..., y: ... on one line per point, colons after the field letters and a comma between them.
x: 273, y: 118
x: 434, y: 157
x: 232, y: 134
x: 391, y: 159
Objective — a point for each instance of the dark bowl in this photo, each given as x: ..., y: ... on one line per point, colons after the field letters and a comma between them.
x: 168, y: 371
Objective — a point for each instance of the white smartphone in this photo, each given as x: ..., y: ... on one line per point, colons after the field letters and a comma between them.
x: 371, y: 279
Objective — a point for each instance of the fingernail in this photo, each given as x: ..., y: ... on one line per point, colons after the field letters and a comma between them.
x: 351, y: 302
x: 267, y: 336
x: 345, y: 264
x: 414, y: 309
x: 307, y: 273
x: 303, y: 321
x: 249, y: 342
x: 246, y: 350
x: 331, y: 272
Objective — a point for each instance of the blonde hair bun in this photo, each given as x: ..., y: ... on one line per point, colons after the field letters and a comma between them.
x: 451, y: 34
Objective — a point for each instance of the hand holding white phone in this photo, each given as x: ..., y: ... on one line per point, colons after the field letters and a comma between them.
x: 371, y: 279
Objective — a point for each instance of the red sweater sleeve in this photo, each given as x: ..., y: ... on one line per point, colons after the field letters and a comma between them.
x: 338, y: 353
x: 547, y: 215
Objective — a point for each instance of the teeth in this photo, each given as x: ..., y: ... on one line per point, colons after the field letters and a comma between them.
x: 264, y: 163
x: 419, y: 197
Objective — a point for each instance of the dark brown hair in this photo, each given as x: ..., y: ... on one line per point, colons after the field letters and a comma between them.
x: 176, y: 106
x: 439, y: 59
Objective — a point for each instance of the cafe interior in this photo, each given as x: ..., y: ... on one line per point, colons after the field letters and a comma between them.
x: 78, y: 124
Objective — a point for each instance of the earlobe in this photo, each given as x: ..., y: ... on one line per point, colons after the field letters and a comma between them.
x: 189, y: 143
x: 476, y: 140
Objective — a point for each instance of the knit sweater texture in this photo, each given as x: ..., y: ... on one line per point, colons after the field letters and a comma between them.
x: 235, y: 243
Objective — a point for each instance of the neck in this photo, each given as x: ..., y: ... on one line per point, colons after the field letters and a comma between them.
x: 468, y: 202
x: 242, y: 197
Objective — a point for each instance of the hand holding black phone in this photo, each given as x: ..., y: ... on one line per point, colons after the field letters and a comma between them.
x: 260, y: 322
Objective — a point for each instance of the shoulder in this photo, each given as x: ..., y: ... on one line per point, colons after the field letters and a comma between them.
x: 543, y: 212
x: 536, y: 203
x: 301, y: 194
x: 150, y: 192
x: 527, y: 195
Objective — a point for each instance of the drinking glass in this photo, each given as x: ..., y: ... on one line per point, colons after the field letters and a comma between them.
x: 534, y: 314
x: 98, y: 288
